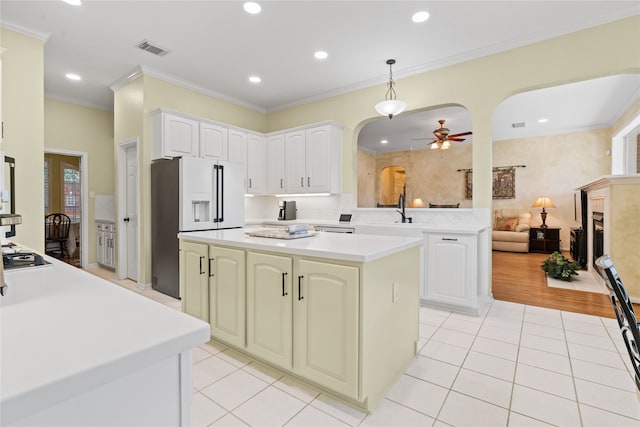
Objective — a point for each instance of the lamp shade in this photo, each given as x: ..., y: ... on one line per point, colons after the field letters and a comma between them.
x: 417, y: 203
x: 543, y: 202
x: 390, y: 107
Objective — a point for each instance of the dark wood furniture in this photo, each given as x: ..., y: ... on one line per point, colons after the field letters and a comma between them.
x: 544, y: 240
x: 56, y: 233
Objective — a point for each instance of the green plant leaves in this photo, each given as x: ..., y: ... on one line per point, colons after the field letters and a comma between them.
x: 559, y: 267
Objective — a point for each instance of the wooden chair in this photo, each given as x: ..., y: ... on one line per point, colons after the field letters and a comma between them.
x: 624, y: 311
x: 56, y: 232
x: 432, y: 205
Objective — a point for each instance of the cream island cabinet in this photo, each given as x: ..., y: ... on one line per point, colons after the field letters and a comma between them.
x: 338, y: 311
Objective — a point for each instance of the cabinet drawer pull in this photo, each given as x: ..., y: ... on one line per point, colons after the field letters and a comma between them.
x: 300, y: 297
x: 302, y: 181
x: 449, y: 239
x: 284, y: 292
x: 201, y: 270
x: 249, y: 182
x: 211, y: 269
x: 281, y: 182
x: 308, y: 181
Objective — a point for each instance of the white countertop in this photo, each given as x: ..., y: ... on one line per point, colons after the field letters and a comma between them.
x: 345, y: 247
x: 65, y: 331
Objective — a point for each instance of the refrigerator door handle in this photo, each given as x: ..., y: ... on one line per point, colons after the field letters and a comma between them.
x: 221, y: 193
x: 216, y: 179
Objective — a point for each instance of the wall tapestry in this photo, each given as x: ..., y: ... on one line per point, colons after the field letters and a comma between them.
x: 503, y: 185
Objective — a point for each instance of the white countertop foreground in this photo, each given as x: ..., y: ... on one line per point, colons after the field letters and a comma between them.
x: 345, y: 247
x: 65, y: 331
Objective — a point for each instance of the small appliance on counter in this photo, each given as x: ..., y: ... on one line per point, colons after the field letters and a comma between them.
x: 22, y: 260
x: 286, y: 210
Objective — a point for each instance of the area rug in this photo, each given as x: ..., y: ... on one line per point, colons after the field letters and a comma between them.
x: 584, y: 281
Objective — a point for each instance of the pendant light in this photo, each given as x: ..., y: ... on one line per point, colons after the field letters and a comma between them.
x: 390, y: 106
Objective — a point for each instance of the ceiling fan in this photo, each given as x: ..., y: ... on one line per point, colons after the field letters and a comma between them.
x: 442, y: 137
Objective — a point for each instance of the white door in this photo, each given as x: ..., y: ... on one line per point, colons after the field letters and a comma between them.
x: 213, y: 141
x: 131, y: 213
x: 317, y: 158
x: 256, y: 167
x: 294, y: 163
x: 275, y: 164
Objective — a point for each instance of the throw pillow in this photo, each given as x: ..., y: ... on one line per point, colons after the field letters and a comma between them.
x: 522, y: 227
x: 506, y: 224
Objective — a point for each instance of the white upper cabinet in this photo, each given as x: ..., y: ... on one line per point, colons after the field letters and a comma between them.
x: 256, y: 165
x: 237, y: 149
x: 174, y: 135
x: 294, y: 162
x: 313, y: 160
x: 275, y: 164
x: 213, y: 141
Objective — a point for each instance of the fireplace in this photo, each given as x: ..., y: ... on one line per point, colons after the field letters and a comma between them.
x: 598, y: 236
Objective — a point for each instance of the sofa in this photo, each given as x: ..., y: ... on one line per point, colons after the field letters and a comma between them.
x: 510, y: 230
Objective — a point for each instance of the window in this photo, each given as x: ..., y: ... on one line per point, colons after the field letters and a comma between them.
x: 71, y: 191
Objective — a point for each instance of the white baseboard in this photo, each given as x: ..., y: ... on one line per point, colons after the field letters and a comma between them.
x: 143, y: 286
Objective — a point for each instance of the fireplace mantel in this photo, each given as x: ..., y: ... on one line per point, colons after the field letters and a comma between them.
x: 608, y: 180
x: 617, y: 197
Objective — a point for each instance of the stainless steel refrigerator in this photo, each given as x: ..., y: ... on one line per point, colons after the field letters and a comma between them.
x: 190, y: 194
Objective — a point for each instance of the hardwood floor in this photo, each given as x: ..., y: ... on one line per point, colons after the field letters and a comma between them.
x: 517, y: 277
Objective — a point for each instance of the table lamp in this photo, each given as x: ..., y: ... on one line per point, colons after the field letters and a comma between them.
x: 543, y: 202
x: 417, y: 203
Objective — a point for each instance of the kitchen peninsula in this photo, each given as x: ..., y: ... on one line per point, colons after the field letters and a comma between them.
x: 78, y: 350
x: 339, y: 311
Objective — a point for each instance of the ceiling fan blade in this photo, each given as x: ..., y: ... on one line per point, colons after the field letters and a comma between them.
x: 459, y: 134
x: 456, y: 139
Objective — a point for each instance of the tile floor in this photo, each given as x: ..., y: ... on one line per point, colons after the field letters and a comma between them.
x: 515, y: 365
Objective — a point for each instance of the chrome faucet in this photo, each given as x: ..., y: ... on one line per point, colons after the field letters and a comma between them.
x: 401, y: 203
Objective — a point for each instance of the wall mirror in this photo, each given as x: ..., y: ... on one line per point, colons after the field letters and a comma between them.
x: 429, y: 170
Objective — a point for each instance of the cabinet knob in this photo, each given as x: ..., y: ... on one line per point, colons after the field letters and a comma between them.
x: 308, y: 181
x: 302, y: 181
x: 449, y: 239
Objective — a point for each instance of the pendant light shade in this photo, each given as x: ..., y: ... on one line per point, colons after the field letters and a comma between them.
x: 390, y: 106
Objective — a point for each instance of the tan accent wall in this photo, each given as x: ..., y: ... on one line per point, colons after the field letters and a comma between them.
x: 23, y: 118
x: 624, y: 244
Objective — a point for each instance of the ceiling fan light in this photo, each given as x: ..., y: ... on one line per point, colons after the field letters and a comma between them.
x: 434, y: 146
x: 445, y: 145
x: 390, y: 107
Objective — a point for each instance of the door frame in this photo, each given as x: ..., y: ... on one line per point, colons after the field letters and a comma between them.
x: 84, y: 216
x: 121, y: 185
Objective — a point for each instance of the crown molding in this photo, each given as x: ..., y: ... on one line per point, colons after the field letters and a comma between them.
x: 24, y: 31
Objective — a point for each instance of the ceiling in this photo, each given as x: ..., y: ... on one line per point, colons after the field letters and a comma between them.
x: 214, y: 45
x: 591, y: 104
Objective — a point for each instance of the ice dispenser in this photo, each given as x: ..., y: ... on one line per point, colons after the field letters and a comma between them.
x: 200, y: 208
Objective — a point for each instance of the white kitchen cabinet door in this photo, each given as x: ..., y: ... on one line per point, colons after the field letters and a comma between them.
x: 317, y: 159
x: 227, y: 294
x: 100, y: 243
x: 256, y: 165
x: 275, y: 164
x: 269, y: 310
x: 174, y: 136
x: 326, y: 324
x: 194, y: 289
x: 237, y: 147
x: 213, y: 141
x: 294, y: 162
x: 451, y: 269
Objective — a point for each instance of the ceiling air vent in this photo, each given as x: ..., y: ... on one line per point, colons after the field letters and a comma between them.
x: 517, y: 125
x: 152, y: 48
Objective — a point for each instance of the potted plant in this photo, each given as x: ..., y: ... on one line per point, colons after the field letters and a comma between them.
x: 558, y: 266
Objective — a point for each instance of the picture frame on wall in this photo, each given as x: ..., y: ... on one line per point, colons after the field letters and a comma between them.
x: 503, y: 183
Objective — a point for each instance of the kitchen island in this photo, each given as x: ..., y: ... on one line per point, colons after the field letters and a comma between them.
x: 339, y: 311
x: 78, y: 350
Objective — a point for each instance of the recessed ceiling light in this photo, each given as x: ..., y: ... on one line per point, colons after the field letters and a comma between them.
x: 321, y: 54
x: 252, y: 7
x: 73, y: 2
x: 543, y: 120
x: 255, y: 79
x: 384, y: 141
x: 72, y: 76
x: 420, y: 16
